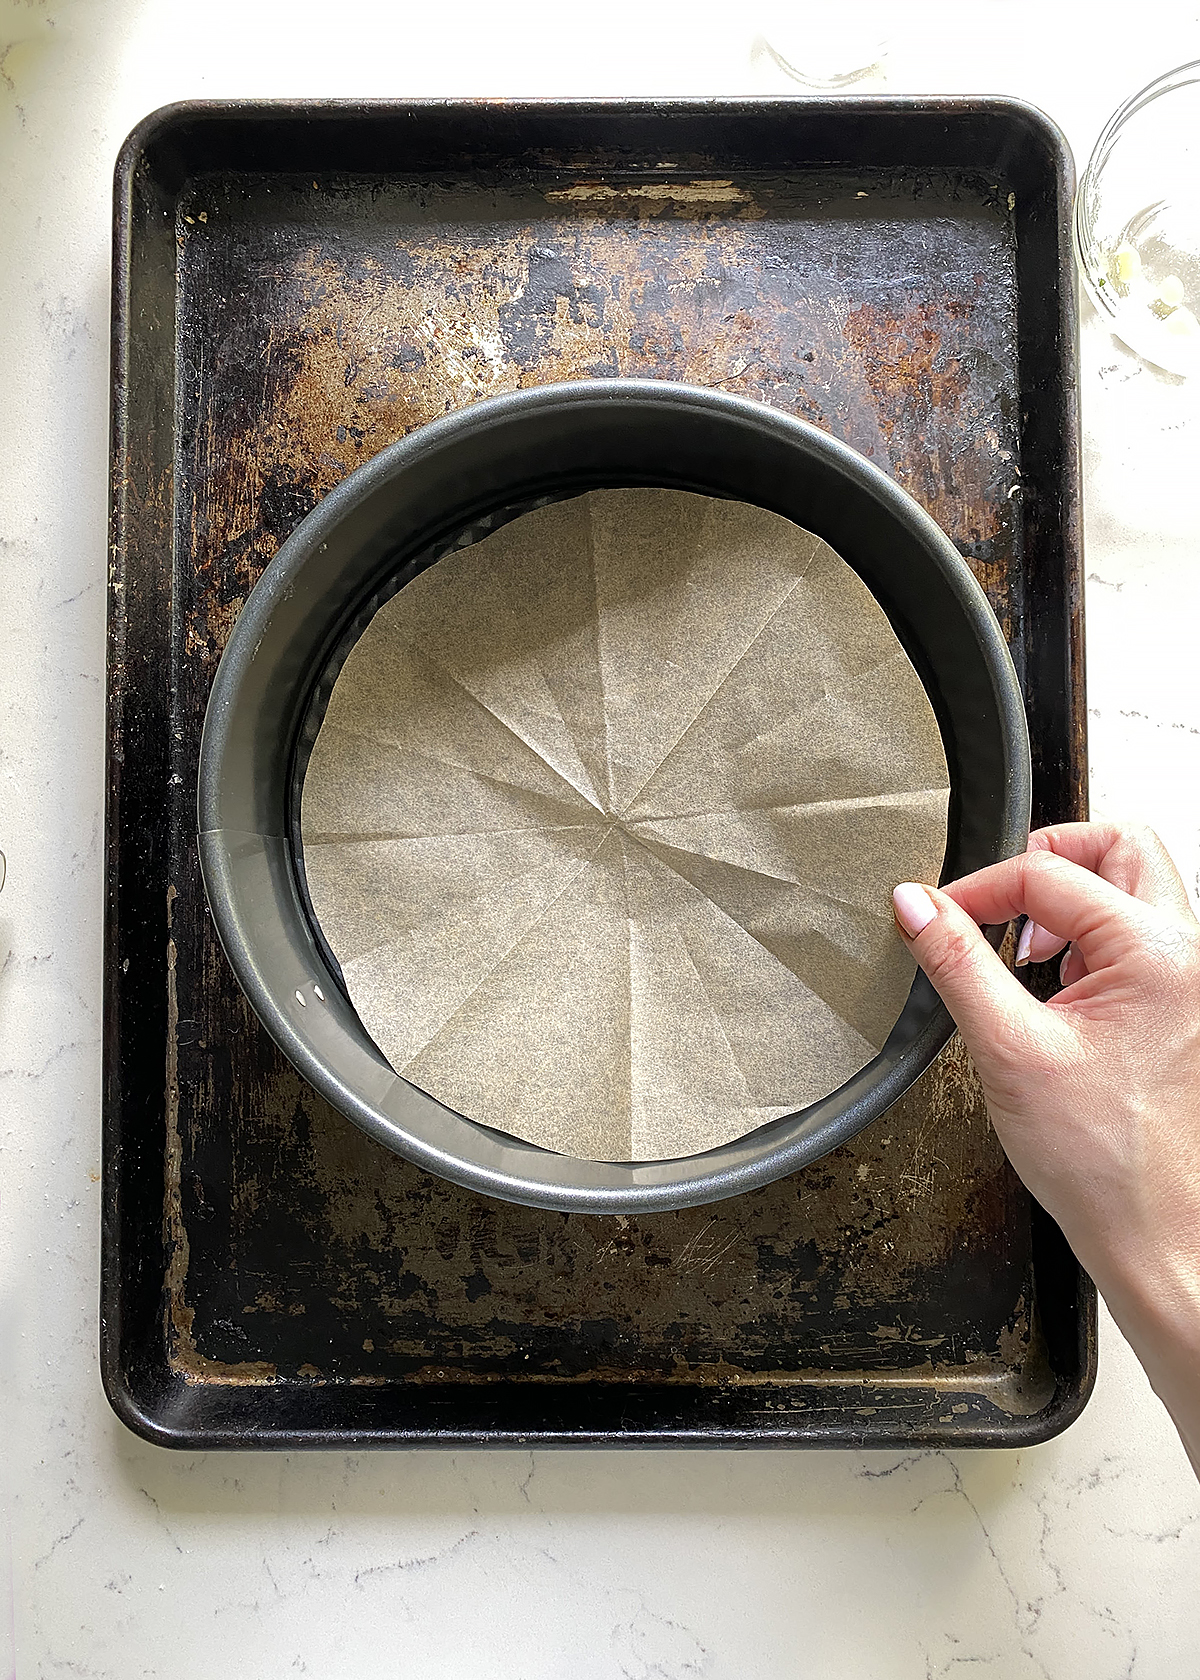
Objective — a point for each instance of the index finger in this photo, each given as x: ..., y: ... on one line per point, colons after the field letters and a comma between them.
x: 1129, y: 857
x: 1067, y: 900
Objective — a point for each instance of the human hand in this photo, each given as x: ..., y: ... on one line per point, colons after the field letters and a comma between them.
x: 1095, y: 1095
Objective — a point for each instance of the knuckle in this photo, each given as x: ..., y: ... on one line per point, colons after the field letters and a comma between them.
x: 1042, y: 863
x: 1023, y: 1060
x: 950, y: 960
x: 1139, y: 841
x: 1048, y: 839
x: 1172, y: 950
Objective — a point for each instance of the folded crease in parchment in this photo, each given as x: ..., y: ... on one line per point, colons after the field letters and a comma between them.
x: 603, y: 818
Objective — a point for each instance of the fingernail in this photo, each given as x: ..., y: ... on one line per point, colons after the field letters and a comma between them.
x: 1044, y: 944
x: 1062, y: 967
x: 1024, y: 942
x: 914, y: 908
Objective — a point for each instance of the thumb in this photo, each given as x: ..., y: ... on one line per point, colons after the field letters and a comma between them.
x: 990, y: 1007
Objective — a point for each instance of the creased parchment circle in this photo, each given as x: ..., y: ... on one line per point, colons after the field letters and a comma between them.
x: 603, y: 818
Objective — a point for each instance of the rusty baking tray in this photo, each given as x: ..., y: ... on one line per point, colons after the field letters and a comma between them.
x: 295, y: 287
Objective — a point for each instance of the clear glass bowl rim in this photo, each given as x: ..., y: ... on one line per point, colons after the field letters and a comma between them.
x: 1183, y: 75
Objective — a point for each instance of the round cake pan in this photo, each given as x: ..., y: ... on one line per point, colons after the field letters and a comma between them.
x: 392, y: 515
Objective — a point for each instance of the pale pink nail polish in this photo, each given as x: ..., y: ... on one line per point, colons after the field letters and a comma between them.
x: 914, y: 908
x: 1044, y: 944
x: 1024, y: 942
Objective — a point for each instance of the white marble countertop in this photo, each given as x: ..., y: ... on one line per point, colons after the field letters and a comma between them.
x: 1081, y: 1557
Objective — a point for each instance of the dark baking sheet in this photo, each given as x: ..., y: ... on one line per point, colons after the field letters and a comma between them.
x: 295, y: 287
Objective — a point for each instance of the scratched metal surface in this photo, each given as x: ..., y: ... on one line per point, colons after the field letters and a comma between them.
x: 318, y: 320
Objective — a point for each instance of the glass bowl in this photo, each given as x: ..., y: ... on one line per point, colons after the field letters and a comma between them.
x: 1137, y: 222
